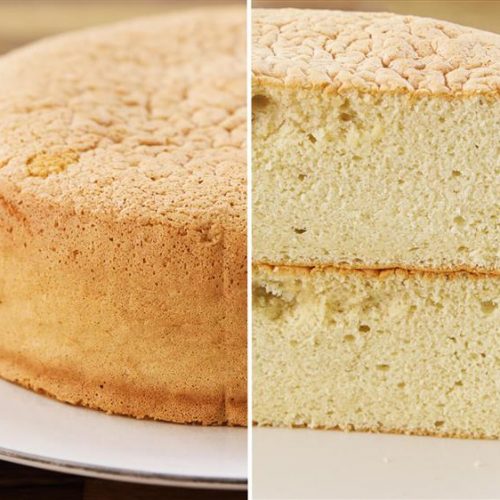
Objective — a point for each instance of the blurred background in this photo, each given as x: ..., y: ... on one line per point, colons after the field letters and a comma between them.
x: 482, y: 14
x: 22, y: 21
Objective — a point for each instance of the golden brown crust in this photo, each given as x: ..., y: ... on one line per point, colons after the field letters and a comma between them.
x: 379, y: 272
x: 152, y: 138
x: 390, y: 430
x: 174, y: 330
x: 259, y: 83
x: 122, y: 399
x: 373, y: 53
x: 123, y: 253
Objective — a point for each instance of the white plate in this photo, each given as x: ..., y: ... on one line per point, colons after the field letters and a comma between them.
x: 302, y: 463
x: 37, y: 431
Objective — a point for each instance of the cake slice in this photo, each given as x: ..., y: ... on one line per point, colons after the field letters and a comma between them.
x: 375, y: 223
x: 375, y: 141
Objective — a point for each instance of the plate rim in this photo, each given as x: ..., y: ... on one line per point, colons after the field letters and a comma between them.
x: 88, y: 469
x: 121, y: 474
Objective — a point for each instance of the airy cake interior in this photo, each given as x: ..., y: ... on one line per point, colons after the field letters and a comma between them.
x: 377, y: 350
x: 375, y: 181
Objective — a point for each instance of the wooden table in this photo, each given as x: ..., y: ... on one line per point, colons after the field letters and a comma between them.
x: 26, y: 483
x: 21, y: 22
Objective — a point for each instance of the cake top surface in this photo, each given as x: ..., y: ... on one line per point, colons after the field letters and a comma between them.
x: 144, y: 119
x: 373, y: 52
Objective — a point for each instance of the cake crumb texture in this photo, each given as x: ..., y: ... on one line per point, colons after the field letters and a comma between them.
x: 391, y: 351
x: 362, y: 172
x: 376, y: 187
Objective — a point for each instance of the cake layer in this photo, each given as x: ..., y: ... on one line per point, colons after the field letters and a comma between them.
x: 390, y: 351
x: 123, y: 217
x: 375, y: 142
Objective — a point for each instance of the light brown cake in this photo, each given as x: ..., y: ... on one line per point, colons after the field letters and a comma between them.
x: 376, y: 187
x: 122, y: 217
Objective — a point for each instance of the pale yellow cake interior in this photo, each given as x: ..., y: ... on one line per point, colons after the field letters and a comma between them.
x: 375, y: 181
x: 381, y: 351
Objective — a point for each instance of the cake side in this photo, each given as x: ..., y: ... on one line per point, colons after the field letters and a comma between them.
x: 392, y: 351
x: 382, y: 181
x: 133, y: 319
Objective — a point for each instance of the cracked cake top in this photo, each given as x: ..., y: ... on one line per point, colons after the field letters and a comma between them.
x: 143, y: 119
x: 373, y: 52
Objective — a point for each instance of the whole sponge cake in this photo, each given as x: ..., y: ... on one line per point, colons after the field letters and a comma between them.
x: 381, y: 133
x: 375, y: 224
x: 122, y: 217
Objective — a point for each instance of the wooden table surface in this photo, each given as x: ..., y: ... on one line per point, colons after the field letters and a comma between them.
x: 26, y: 483
x: 21, y: 22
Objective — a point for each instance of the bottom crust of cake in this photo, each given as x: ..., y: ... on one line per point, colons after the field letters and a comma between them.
x: 107, y: 331
x: 384, y: 430
x: 379, y: 351
x: 141, y: 402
